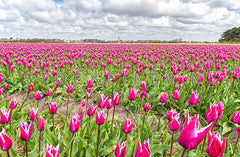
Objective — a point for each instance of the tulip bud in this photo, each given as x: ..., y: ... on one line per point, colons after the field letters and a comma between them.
x: 25, y: 131
x: 143, y: 86
x: 52, y: 108
x: 120, y: 150
x: 74, y: 123
x: 216, y: 147
x: 91, y: 110
x: 143, y: 150
x: 5, y: 86
x: 41, y: 123
x: 69, y: 88
x: 194, y: 98
x: 13, y: 104
x: 33, y: 114
x: 5, y: 116
x: 83, y: 102
x: 163, y: 98
x: 51, y: 151
x: 176, y: 95
x: 5, y: 141
x: 49, y: 92
x: 147, y: 107
x: 127, y: 128
x: 175, y: 123
x: 132, y: 94
x: 100, y: 119
x: 38, y: 95
x: 89, y: 83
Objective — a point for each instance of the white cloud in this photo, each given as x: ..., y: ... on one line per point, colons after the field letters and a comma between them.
x: 108, y: 19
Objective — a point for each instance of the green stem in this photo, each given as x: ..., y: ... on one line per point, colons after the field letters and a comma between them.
x: 98, y: 140
x: 159, y: 120
x: 40, y: 142
x: 171, y: 144
x: 8, y: 154
x: 67, y: 107
x: 113, y: 115
x: 235, y: 147
x: 143, y: 123
x: 183, y: 152
x: 191, y: 110
x: 71, y: 145
x: 26, y: 149
x: 129, y: 108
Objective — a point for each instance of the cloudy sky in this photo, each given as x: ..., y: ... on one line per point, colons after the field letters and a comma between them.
x: 201, y: 20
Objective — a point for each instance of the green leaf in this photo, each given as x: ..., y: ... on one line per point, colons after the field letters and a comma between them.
x: 159, y: 148
x: 227, y: 126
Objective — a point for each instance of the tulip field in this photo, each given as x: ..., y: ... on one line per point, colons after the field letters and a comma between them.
x: 123, y: 100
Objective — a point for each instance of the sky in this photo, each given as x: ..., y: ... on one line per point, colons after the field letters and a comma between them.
x: 191, y: 20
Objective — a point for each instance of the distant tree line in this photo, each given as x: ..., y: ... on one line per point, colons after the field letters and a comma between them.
x: 231, y: 35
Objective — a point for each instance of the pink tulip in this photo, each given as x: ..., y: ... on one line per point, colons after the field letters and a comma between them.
x: 100, y: 119
x: 171, y: 114
x: 212, y: 114
x: 143, y: 150
x: 38, y: 95
x: 33, y: 114
x: 51, y: 151
x: 88, y: 91
x: 102, y: 101
x: 216, y: 147
x: 175, y: 122
x: 91, y: 110
x: 25, y: 131
x: 144, y: 94
x: 236, y: 117
x: 120, y: 150
x: 238, y: 131
x: 13, y: 104
x: 132, y: 94
x: 52, y: 108
x: 127, y: 128
x: 191, y: 136
x: 176, y: 95
x: 49, y: 92
x: 143, y: 86
x: 147, y: 107
x: 69, y: 88
x: 109, y: 104
x: 41, y: 123
x: 83, y: 102
x: 164, y: 97
x: 5, y: 141
x: 116, y: 98
x: 220, y: 108
x: 89, y: 83
x: 81, y: 112
x: 194, y: 98
x: 74, y: 123
x: 5, y: 116
x: 5, y: 86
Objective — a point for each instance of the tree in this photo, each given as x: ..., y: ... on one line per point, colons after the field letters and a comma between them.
x: 231, y: 35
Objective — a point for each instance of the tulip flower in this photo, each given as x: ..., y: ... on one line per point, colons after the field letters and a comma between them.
x: 89, y: 83
x: 5, y: 116
x: 69, y: 90
x: 216, y: 147
x: 51, y: 151
x: 236, y: 117
x: 74, y: 124
x: 100, y: 119
x: 143, y: 86
x: 147, y: 107
x: 212, y: 114
x: 171, y: 114
x: 194, y: 100
x: 132, y: 94
x: 5, y: 141
x: 33, y: 114
x: 91, y: 110
x: 174, y: 126
x: 41, y: 123
x: 115, y: 101
x: 38, y: 95
x: 162, y: 99
x: 143, y: 150
x: 52, y: 110
x: 102, y: 101
x: 220, y: 108
x: 127, y: 127
x: 25, y: 133
x: 5, y: 86
x: 49, y: 92
x: 13, y: 104
x: 41, y: 127
x: 191, y: 136
x: 120, y: 150
x: 144, y: 94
